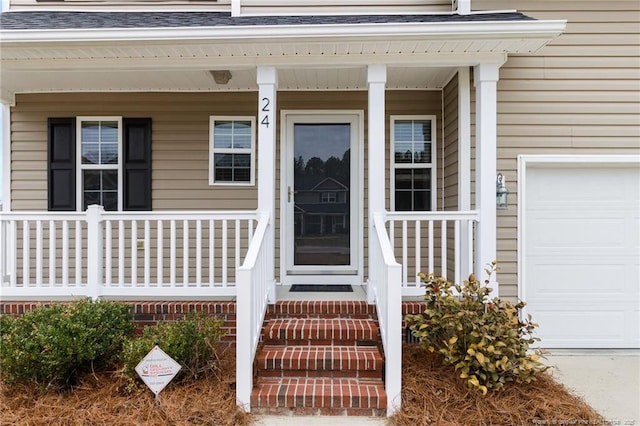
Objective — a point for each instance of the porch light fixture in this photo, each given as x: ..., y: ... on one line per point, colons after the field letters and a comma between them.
x: 502, y: 193
x: 221, y: 76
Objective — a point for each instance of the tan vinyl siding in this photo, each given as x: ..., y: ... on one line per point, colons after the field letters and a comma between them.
x: 449, y: 167
x: 180, y: 144
x: 579, y: 95
x: 121, y: 5
x: 301, y: 7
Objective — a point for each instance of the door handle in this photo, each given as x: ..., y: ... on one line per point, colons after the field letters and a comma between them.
x: 289, y: 193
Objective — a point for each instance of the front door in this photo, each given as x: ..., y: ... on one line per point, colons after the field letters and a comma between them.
x: 320, y: 186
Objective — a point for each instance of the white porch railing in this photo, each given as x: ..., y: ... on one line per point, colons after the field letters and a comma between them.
x: 123, y: 254
x: 385, y: 281
x: 435, y: 242
x: 254, y: 280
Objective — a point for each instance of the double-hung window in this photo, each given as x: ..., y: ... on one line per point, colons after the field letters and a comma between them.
x: 231, y: 150
x: 413, y: 172
x: 99, y: 171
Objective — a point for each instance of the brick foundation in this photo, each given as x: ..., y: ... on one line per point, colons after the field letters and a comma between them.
x: 151, y: 313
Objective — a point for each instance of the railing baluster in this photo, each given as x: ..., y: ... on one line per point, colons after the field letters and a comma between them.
x: 224, y: 253
x: 405, y: 263
x: 443, y: 252
x: 160, y: 253
x: 418, y: 254
x: 65, y: 253
x: 212, y: 252
x: 172, y: 253
x: 134, y: 253
x: 185, y: 252
x: 121, y: 248
x: 237, y: 243
x: 199, y: 253
x: 456, y: 251
x: 147, y: 253
x: 26, y: 252
x: 52, y: 253
x: 39, y: 253
x: 78, y: 259
x: 431, y: 267
x: 13, y: 253
x: 108, y: 258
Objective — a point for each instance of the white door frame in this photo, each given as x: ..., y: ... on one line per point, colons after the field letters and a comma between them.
x: 305, y: 275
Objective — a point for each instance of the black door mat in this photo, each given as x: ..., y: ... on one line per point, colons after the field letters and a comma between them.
x: 340, y: 288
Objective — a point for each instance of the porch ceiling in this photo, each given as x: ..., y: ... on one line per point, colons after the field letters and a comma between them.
x: 314, y: 57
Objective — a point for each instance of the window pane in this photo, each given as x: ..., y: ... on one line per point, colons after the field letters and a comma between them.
x: 109, y: 153
x: 90, y: 153
x: 91, y: 197
x: 109, y: 132
x: 403, y: 201
x: 242, y: 175
x: 223, y: 175
x: 99, y: 140
x: 421, y: 200
x: 242, y: 141
x: 90, y: 131
x: 404, y: 179
x: 110, y: 180
x: 421, y: 178
x: 422, y: 130
x: 223, y: 160
x: 222, y: 140
x: 241, y: 160
x: 221, y: 127
x: 110, y: 200
x: 91, y: 181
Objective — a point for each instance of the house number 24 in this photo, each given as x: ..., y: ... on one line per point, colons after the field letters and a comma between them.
x: 266, y: 109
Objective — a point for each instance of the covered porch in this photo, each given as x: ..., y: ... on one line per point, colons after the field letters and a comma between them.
x: 201, y: 253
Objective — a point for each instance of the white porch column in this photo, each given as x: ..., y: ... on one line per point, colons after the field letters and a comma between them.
x: 485, y: 79
x: 464, y: 167
x: 377, y: 80
x: 267, y: 84
x: 5, y: 189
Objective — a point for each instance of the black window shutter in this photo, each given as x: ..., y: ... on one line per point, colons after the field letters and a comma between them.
x: 137, y: 164
x: 61, y: 167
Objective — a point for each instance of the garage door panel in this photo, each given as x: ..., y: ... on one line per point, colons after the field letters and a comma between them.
x: 571, y: 328
x: 575, y: 280
x: 580, y: 231
x: 581, y: 262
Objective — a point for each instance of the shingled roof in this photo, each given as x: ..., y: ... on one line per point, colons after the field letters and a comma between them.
x: 103, y: 20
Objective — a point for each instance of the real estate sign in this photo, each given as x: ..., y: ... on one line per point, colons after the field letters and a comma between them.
x: 157, y: 369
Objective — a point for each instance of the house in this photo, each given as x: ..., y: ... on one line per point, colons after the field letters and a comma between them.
x: 172, y: 151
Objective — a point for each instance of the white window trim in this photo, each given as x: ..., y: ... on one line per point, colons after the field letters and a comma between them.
x: 251, y: 151
x: 392, y: 158
x: 80, y: 167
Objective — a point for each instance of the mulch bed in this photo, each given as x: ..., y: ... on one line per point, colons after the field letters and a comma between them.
x: 432, y: 395
x: 101, y: 399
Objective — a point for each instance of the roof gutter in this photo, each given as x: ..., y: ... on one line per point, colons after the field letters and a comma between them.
x: 548, y: 29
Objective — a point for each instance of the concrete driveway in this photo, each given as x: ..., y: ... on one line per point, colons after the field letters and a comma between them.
x: 608, y: 380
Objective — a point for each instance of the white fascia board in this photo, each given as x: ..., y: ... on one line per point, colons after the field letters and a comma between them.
x: 492, y: 29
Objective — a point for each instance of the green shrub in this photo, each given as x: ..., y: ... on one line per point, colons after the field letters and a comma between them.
x: 191, y: 342
x: 484, y: 339
x: 51, y: 346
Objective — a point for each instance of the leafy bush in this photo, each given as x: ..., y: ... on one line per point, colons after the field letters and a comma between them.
x: 484, y: 339
x: 190, y: 341
x: 51, y: 346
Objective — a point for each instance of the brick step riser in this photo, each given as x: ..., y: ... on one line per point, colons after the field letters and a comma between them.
x: 320, y: 315
x: 323, y: 374
x: 312, y: 411
x: 318, y: 342
x: 312, y: 363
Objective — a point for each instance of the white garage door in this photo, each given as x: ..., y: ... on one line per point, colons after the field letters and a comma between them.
x: 581, y: 253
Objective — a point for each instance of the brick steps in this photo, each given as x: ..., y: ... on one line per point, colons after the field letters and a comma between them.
x: 320, y: 396
x: 320, y: 358
x: 320, y: 331
x: 320, y: 361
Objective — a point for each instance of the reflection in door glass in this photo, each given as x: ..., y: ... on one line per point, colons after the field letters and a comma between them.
x: 322, y: 174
